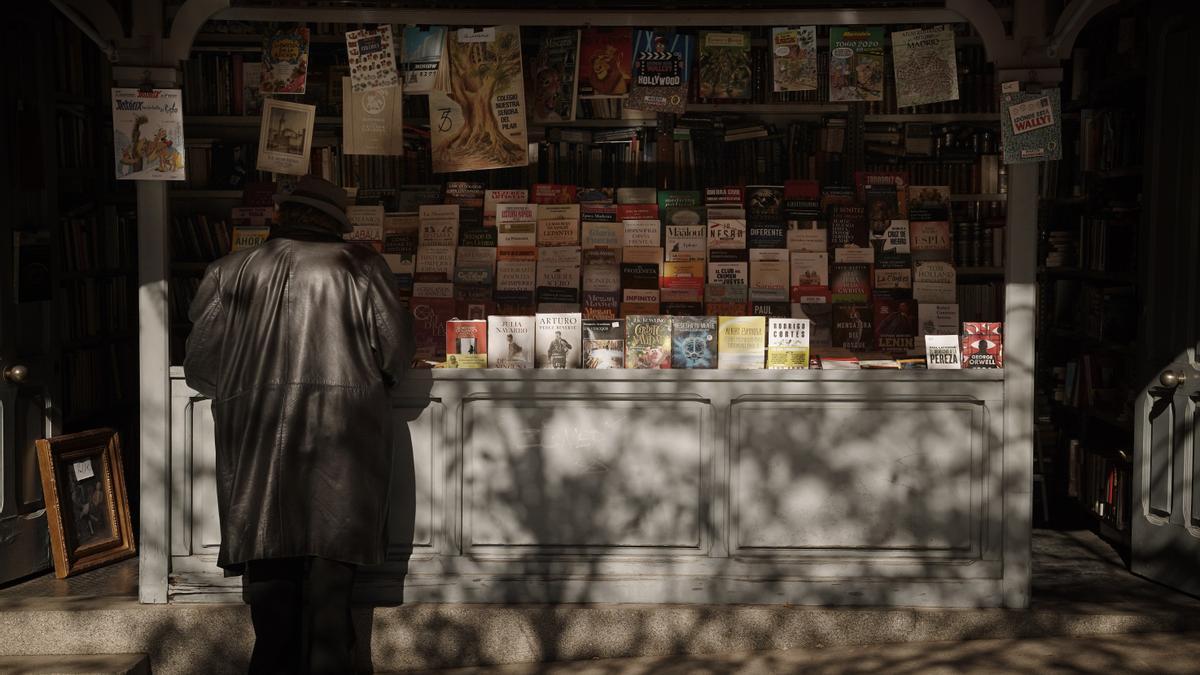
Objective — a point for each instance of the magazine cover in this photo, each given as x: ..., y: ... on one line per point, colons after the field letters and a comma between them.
x: 794, y: 58
x: 148, y: 134
x: 372, y: 58
x: 925, y: 65
x: 285, y: 137
x: 661, y: 67
x: 856, y: 63
x: 725, y: 65
x: 421, y: 56
x: 480, y: 122
x: 553, y: 76
x: 372, y: 121
x: 1031, y: 126
x: 285, y: 61
x: 605, y: 62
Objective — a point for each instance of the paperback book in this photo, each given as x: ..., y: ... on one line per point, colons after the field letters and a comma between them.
x: 648, y: 341
x: 794, y: 58
x: 787, y: 343
x: 554, y: 76
x: 895, y: 326
x: 853, y: 327
x: 430, y: 315
x: 942, y: 352
x: 148, y: 134
x: 660, y: 71
x: 603, y: 343
x: 285, y: 137
x: 982, y: 345
x: 693, y: 342
x: 741, y: 342
x: 725, y: 69
x: 1031, y: 126
x: 422, y: 61
x: 856, y: 63
x: 285, y: 61
x: 558, y: 340
x: 372, y: 59
x: 466, y: 343
x: 510, y: 341
x: 372, y: 121
x: 605, y: 63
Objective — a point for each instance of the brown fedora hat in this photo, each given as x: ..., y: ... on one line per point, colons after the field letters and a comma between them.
x: 321, y: 195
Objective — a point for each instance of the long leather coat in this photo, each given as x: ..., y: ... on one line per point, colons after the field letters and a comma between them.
x: 297, y: 342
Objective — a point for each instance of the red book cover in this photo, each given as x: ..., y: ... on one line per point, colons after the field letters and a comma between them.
x: 605, y: 62
x: 553, y: 193
x: 897, y: 178
x: 801, y: 189
x: 429, y: 327
x: 466, y: 336
x: 637, y: 212
x: 727, y: 309
x: 982, y: 345
x: 895, y: 325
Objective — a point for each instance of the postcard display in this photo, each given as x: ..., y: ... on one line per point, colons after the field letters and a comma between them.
x: 642, y: 378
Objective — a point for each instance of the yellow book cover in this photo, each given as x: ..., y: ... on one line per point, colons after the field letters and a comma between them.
x: 741, y: 341
x: 788, y: 343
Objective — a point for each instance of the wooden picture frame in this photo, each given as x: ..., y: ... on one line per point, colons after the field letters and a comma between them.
x: 87, y: 508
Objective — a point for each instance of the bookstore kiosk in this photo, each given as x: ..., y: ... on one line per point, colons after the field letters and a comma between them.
x: 867, y: 487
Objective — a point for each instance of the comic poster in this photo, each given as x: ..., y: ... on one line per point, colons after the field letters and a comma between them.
x: 925, y: 65
x: 605, y: 62
x: 856, y: 63
x: 553, y: 76
x: 285, y: 61
x: 794, y: 58
x: 148, y: 134
x: 725, y: 65
x: 480, y: 122
x: 372, y: 58
x: 661, y: 67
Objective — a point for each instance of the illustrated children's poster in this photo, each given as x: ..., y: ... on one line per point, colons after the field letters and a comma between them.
x: 856, y: 63
x: 372, y: 58
x: 794, y: 58
x: 285, y: 61
x: 480, y: 122
x: 605, y: 62
x: 553, y: 76
x: 1030, y: 125
x: 660, y: 71
x: 148, y: 134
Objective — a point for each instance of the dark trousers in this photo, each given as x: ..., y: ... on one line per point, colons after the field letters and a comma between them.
x: 301, y: 613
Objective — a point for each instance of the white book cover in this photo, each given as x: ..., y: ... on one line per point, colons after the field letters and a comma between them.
x: 558, y: 225
x: 433, y: 289
x: 769, y: 280
x: 854, y: 254
x: 510, y: 341
x: 937, y: 319
x: 943, y: 352
x: 516, y: 275
x: 648, y: 254
x: 285, y: 137
x: 788, y: 343
x: 516, y: 225
x: 400, y: 233
x: 148, y: 134
x: 558, y: 267
x: 604, y: 235
x: 809, y: 268
x: 559, y: 340
x: 436, y: 260
x: 372, y: 121
x: 493, y: 197
x: 726, y: 232
x: 768, y: 255
x: 686, y: 242
x: 367, y: 221
x: 642, y: 233
x: 808, y: 239
x: 637, y: 195
x: 729, y: 273
x: 475, y: 265
x: 934, y: 282
x: 602, y: 278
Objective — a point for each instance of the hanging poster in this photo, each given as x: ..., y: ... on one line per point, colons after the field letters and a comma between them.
x: 148, y: 134
x: 725, y: 65
x: 480, y: 122
x: 1031, y: 126
x: 372, y: 121
x: 856, y: 63
x: 421, y: 60
x: 553, y: 76
x: 794, y: 58
x: 372, y: 58
x: 285, y: 61
x: 285, y: 137
x: 605, y: 62
x: 661, y: 67
x: 926, y: 69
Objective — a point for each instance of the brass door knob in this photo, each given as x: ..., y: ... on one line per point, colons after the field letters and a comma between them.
x: 16, y: 374
x: 1171, y: 379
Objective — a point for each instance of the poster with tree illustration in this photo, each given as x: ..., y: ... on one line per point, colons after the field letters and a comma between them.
x: 725, y: 65
x: 480, y: 122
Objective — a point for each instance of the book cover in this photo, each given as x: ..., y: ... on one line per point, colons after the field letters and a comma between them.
x: 372, y: 121
x: 780, y: 308
x: 422, y: 57
x: 853, y: 327
x: 285, y: 61
x: 475, y: 266
x: 558, y: 340
x: 558, y: 225
x: 661, y: 68
x: 805, y: 223
x: 671, y: 199
x: 252, y: 97
x: 741, y: 342
x: 372, y: 58
x: 468, y: 195
x: 693, y: 342
x: 515, y: 282
x: 367, y: 224
x: 640, y: 307
x: 605, y: 62
x: 794, y: 58
x: 765, y: 226
x: 925, y: 66
x: 480, y: 122
x: 637, y: 212
x: 558, y: 274
x: 683, y: 215
x: 603, y: 343
x: 553, y: 193
x: 726, y: 233
x: 491, y: 198
x: 603, y: 235
x: 818, y: 309
x: 942, y: 352
x: 850, y: 282
x: 882, y: 207
x: 893, y: 242
x: 466, y: 343
x: 929, y: 240
x: 641, y: 233
x: 934, y: 282
x: 724, y: 196
x: 929, y: 203
x: 245, y: 237
x: 1031, y: 126
x: 148, y: 134
x: 435, y: 263
x: 400, y: 240
x: 725, y: 70
x: 553, y: 77
x: 683, y: 281
x: 430, y: 315
x: 938, y: 319
x: 510, y: 341
x: 686, y: 242
x: 856, y: 63
x: 648, y: 341
x: 787, y: 343
x: 285, y: 137
x: 848, y: 226
x: 769, y: 275
x: 854, y: 254
x: 896, y: 179
x: 516, y: 225
x: 982, y: 345
x: 728, y: 281
x: 439, y: 224
x: 809, y: 270
x: 631, y: 196
x: 895, y: 325
x: 252, y: 216
x: 892, y: 282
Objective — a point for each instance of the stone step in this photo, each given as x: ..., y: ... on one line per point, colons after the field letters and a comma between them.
x: 76, y: 664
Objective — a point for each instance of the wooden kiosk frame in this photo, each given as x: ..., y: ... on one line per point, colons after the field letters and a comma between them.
x: 802, y: 487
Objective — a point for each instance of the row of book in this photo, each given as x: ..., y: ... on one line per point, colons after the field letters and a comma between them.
x: 76, y: 141
x: 96, y: 379
x: 1101, y: 483
x: 979, y: 244
x: 198, y: 238
x: 98, y: 240
x: 97, y: 306
x: 567, y: 341
x: 1100, y: 244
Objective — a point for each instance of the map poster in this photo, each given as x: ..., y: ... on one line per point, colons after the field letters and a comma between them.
x: 148, y: 134
x: 926, y: 70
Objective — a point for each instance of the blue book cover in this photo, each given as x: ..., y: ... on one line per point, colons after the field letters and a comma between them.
x: 694, y: 342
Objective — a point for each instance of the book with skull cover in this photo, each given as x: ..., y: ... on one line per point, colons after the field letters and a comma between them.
x: 694, y: 342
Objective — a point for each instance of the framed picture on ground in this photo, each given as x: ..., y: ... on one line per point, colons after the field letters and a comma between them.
x: 87, y: 507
